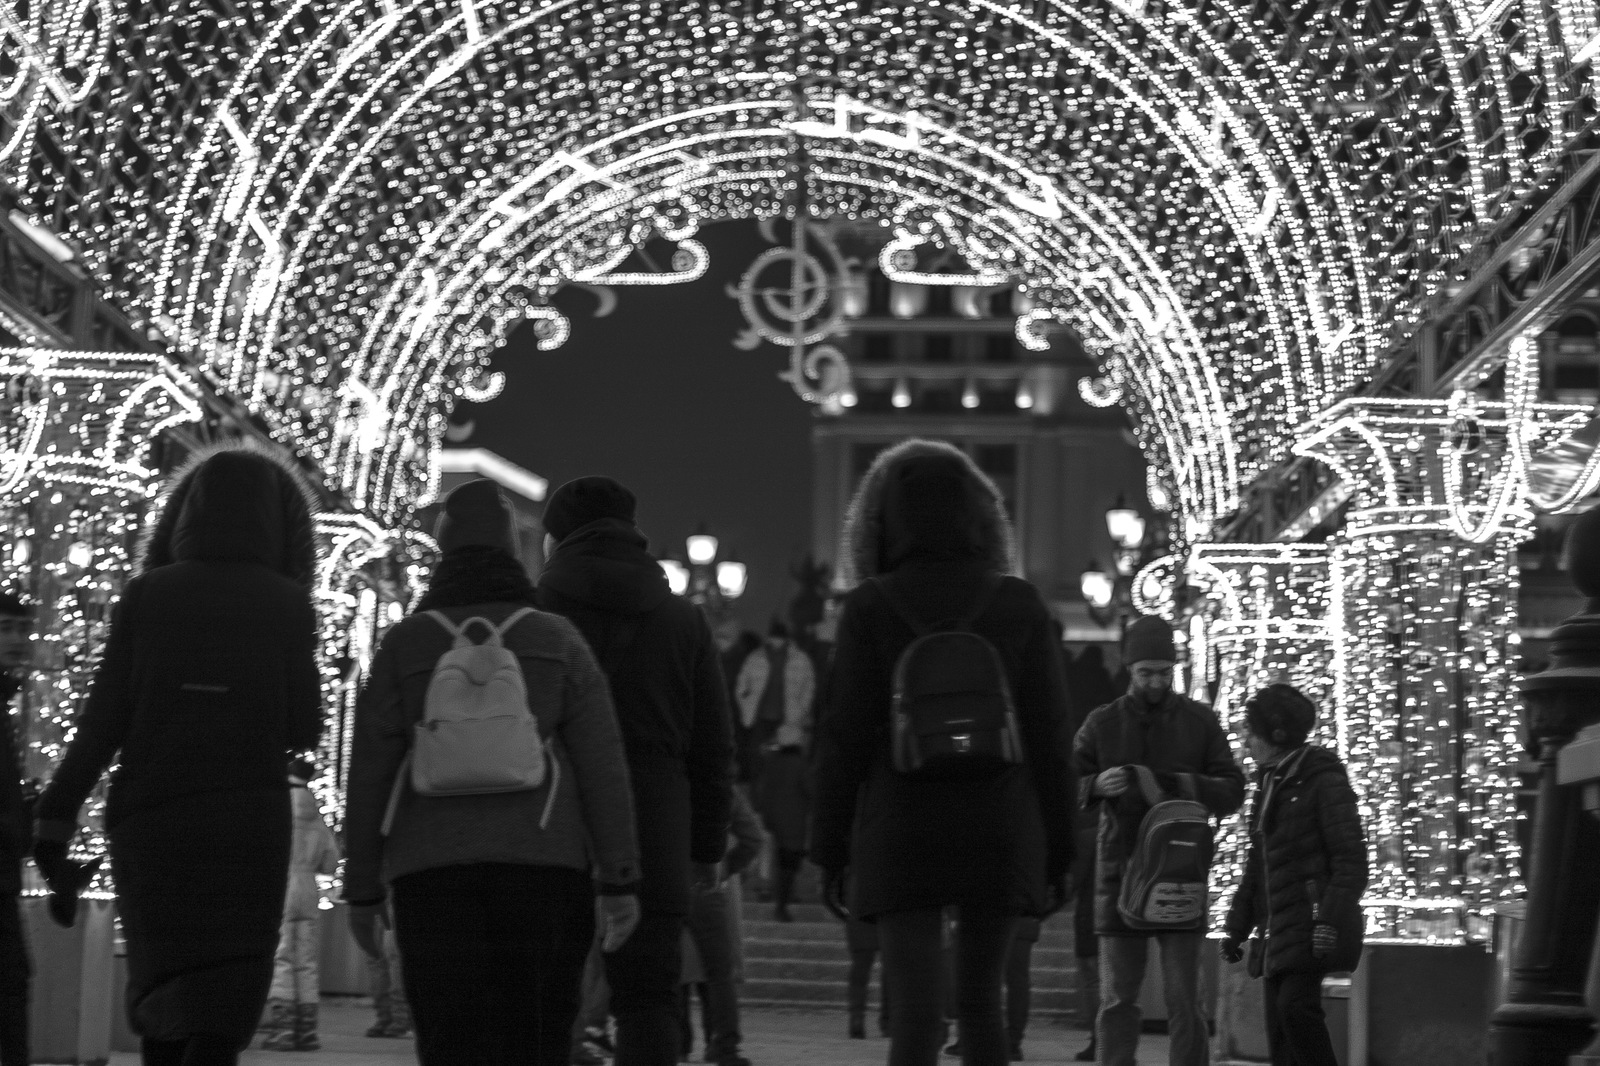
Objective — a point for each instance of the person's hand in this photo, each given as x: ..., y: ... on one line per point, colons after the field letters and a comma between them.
x: 1231, y: 949
x: 1324, y: 940
x: 705, y: 876
x: 1056, y: 896
x: 367, y: 923
x: 833, y: 894
x: 65, y: 877
x: 616, y: 916
x: 1112, y: 782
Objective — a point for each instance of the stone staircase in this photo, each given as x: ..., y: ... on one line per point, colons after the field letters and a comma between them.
x: 805, y: 964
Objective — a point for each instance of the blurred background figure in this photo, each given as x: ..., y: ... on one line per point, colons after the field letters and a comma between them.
x: 716, y: 930
x: 388, y: 989
x: 783, y: 798
x: 16, y: 817
x: 296, y: 979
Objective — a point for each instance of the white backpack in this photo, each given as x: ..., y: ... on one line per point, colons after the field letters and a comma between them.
x: 477, y: 735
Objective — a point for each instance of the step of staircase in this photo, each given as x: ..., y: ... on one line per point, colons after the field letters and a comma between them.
x: 806, y: 962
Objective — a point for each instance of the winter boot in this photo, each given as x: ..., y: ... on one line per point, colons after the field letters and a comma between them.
x: 785, y: 892
x: 858, y: 1025
x: 399, y: 1016
x: 305, y: 1027
x: 280, y: 1026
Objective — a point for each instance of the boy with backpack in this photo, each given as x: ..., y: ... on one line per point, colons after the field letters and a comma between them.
x: 1153, y: 749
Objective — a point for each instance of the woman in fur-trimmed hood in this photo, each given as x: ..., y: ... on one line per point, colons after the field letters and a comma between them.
x: 208, y: 681
x: 927, y: 537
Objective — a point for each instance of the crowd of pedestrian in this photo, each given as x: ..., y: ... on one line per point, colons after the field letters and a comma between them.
x: 558, y: 789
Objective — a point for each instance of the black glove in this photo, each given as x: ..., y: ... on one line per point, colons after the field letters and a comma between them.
x: 833, y: 894
x: 1056, y: 895
x: 65, y: 877
x: 1231, y: 949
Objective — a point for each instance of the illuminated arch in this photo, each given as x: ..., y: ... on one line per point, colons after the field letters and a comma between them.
x: 1238, y: 207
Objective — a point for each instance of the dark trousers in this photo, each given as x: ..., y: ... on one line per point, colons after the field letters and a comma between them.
x: 861, y: 960
x: 1297, y: 1032
x: 1019, y: 983
x: 200, y: 1050
x: 492, y: 955
x: 789, y: 861
x: 913, y: 966
x: 15, y: 970
x: 710, y: 926
x: 644, y: 974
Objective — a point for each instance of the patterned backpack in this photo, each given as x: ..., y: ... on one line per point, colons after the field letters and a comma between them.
x: 1164, y: 884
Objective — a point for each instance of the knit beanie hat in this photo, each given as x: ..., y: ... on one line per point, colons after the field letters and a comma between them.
x: 476, y: 513
x: 1280, y: 714
x: 1149, y: 638
x: 584, y: 500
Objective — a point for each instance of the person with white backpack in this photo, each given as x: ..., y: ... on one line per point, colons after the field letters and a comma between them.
x: 489, y: 804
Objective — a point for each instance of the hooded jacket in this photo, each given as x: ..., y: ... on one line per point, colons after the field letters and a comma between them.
x: 209, y: 676
x: 591, y: 821
x: 671, y: 699
x: 207, y: 683
x: 1307, y: 863
x: 1182, y: 742
x: 929, y: 523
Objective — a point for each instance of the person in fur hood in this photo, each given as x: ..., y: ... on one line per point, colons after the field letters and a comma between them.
x: 931, y: 530
x: 207, y: 684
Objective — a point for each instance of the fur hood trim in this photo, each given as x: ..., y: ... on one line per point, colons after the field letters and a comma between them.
x: 156, y: 544
x: 861, y: 539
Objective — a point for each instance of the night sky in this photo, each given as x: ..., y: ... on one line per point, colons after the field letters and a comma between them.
x: 656, y: 396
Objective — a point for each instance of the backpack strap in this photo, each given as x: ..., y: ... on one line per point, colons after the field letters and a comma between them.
x: 1147, y: 783
x: 496, y: 632
x: 516, y: 616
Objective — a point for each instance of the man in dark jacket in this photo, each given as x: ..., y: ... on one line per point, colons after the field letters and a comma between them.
x: 672, y: 704
x: 16, y: 829
x: 1182, y: 743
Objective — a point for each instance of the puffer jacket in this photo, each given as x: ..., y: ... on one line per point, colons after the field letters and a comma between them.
x: 1307, y: 849
x: 591, y: 814
x: 1182, y: 742
x: 314, y: 852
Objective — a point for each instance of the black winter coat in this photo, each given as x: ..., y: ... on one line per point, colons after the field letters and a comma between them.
x: 16, y: 817
x: 1182, y: 742
x: 670, y: 696
x: 995, y: 842
x: 1307, y: 848
x: 208, y: 681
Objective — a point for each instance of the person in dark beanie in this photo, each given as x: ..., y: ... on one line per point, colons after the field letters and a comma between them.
x: 16, y: 829
x: 1181, y: 742
x: 494, y: 895
x: 207, y: 684
x: 927, y: 543
x: 1304, y: 874
x: 672, y: 704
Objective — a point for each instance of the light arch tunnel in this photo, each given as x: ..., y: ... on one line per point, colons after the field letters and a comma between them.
x: 1229, y: 204
x: 338, y: 209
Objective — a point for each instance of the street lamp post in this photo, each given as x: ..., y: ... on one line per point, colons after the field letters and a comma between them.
x: 705, y: 579
x: 1109, y: 594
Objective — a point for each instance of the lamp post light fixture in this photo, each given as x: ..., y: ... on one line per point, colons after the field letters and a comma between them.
x: 1109, y: 593
x: 705, y: 579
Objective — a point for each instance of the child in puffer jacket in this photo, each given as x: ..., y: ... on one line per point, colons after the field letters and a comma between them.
x: 1304, y: 874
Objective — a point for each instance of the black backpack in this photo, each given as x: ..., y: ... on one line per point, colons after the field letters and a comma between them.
x: 952, y: 717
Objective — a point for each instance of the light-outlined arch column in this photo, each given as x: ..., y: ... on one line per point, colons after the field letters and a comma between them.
x: 1264, y: 619
x: 77, y: 476
x: 1423, y: 580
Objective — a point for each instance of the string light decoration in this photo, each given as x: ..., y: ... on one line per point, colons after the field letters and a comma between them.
x: 76, y: 479
x: 367, y: 579
x: 1425, y: 631
x: 1236, y: 225
x: 1264, y: 619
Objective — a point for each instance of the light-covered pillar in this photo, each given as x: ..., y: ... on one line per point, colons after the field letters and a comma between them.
x: 77, y: 474
x: 1263, y: 619
x: 1424, y: 613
